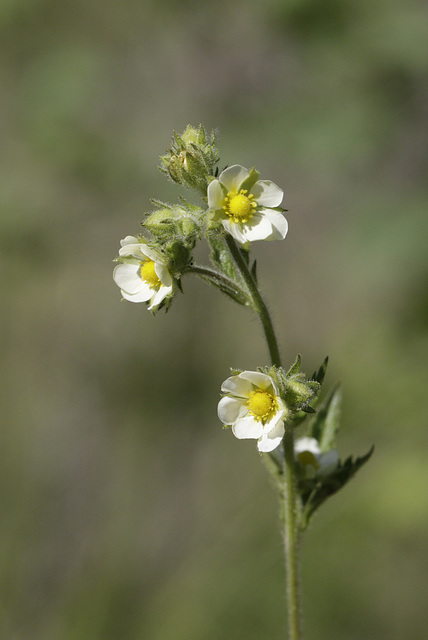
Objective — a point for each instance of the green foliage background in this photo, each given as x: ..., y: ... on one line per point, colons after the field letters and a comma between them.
x: 125, y: 510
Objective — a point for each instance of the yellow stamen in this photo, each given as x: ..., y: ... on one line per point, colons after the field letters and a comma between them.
x: 148, y: 274
x: 262, y: 405
x: 239, y: 207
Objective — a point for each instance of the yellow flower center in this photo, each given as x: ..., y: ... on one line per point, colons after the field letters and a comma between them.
x: 307, y: 457
x: 148, y: 274
x: 238, y: 206
x: 262, y: 405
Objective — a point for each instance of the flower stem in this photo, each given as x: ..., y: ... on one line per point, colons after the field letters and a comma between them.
x: 291, y: 534
x: 291, y: 539
x: 259, y: 305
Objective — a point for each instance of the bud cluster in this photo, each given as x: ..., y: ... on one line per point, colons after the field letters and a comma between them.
x: 191, y: 158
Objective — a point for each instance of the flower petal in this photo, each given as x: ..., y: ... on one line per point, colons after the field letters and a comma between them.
x: 247, y: 427
x: 259, y: 380
x: 328, y: 462
x: 259, y: 228
x: 126, y: 277
x: 229, y: 409
x: 215, y: 195
x: 163, y: 274
x: 278, y: 222
x: 270, y: 441
x: 128, y: 240
x: 237, y: 386
x: 159, y: 296
x: 267, y: 193
x: 235, y: 230
x: 233, y: 177
x: 141, y: 296
x: 307, y: 444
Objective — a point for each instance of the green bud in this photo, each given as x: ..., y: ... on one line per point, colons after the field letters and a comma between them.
x: 298, y: 392
x: 191, y: 158
x: 178, y: 254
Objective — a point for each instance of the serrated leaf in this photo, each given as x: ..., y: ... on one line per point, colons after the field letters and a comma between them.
x: 327, y: 421
x: 316, y: 493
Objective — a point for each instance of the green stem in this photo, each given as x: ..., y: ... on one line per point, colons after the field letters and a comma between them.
x: 291, y: 534
x: 258, y: 303
x: 291, y: 539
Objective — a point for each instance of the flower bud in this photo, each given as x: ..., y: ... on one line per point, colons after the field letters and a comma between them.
x: 191, y: 158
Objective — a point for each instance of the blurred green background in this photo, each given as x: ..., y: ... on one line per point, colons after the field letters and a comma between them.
x: 126, y: 511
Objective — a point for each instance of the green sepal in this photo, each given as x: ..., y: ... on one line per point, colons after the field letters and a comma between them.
x: 327, y: 421
x: 314, y: 493
x: 251, y: 180
x: 319, y: 375
x: 295, y: 367
x: 236, y: 372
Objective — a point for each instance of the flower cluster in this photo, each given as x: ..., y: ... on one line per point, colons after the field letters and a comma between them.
x: 239, y: 205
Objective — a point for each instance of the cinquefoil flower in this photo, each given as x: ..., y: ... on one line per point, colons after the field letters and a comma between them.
x: 253, y: 408
x: 247, y: 212
x: 310, y: 459
x: 142, y: 275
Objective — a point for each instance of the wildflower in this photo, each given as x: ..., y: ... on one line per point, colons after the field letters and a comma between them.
x: 310, y: 459
x: 142, y: 274
x: 253, y: 408
x: 245, y: 207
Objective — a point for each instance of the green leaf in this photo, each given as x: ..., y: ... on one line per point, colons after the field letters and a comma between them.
x: 220, y: 256
x: 314, y: 493
x: 327, y: 421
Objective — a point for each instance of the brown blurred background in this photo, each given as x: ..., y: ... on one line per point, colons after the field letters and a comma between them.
x: 125, y: 511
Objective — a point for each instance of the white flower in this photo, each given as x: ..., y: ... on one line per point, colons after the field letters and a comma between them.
x: 253, y: 408
x: 247, y: 214
x: 314, y: 463
x: 143, y: 275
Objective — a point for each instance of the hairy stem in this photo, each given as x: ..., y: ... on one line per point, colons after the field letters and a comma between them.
x: 291, y: 534
x: 259, y: 305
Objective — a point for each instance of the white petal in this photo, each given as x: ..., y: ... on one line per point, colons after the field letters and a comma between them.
x: 328, y: 462
x: 126, y: 277
x: 159, y: 296
x: 307, y: 444
x: 230, y: 409
x: 233, y: 177
x: 131, y: 250
x: 163, y: 274
x: 128, y: 240
x: 270, y: 441
x: 247, y: 427
x: 271, y: 424
x: 278, y: 222
x: 215, y: 195
x: 235, y: 230
x: 267, y: 193
x: 141, y: 296
x: 259, y: 228
x: 259, y: 380
x: 237, y: 386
